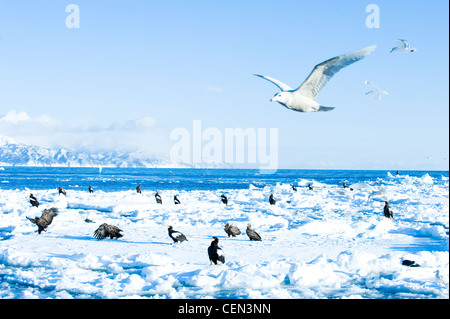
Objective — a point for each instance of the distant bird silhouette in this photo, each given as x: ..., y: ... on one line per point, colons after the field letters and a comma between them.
x: 224, y: 199
x: 387, y: 211
x: 375, y: 92
x: 90, y: 189
x: 272, y: 200
x: 176, y: 235
x: 45, y: 220
x: 176, y: 200
x: 252, y: 234
x: 158, y: 198
x: 231, y: 230
x: 33, y: 201
x: 62, y: 191
x: 409, y: 263
x: 106, y: 230
x: 138, y: 189
x: 215, y: 253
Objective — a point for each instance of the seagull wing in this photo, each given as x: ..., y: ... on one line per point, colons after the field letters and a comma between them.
x: 324, y: 71
x: 403, y: 44
x: 373, y: 86
x: 281, y: 85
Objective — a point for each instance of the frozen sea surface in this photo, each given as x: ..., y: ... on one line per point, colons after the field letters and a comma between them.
x: 330, y: 242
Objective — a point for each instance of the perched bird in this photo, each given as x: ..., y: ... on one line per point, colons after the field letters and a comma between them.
x: 409, y: 263
x: 138, y: 189
x: 158, y: 198
x: 252, y: 234
x: 33, y: 201
x: 91, y: 190
x: 62, y: 191
x: 215, y: 253
x: 345, y: 186
x: 45, y: 220
x: 224, y: 199
x: 375, y: 92
x: 403, y: 47
x: 272, y: 200
x: 105, y: 230
x: 231, y: 230
x: 176, y: 235
x: 387, y: 211
x: 294, y: 188
x: 176, y: 200
x: 303, y: 99
x: 310, y: 187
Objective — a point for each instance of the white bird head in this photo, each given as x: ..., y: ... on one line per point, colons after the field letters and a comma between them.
x: 279, y: 97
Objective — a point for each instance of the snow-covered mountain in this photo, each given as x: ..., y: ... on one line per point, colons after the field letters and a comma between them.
x: 13, y: 153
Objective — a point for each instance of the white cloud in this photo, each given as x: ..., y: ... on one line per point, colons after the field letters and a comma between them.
x: 216, y: 89
x: 46, y: 131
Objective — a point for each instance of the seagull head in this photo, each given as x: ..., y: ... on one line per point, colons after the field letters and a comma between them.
x: 279, y: 97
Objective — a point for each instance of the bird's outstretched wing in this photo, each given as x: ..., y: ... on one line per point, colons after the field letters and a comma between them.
x: 324, y: 71
x: 281, y: 85
x: 403, y: 44
x: 373, y: 86
x: 106, y: 230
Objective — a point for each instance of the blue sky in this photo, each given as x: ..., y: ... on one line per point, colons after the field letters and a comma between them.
x: 136, y: 70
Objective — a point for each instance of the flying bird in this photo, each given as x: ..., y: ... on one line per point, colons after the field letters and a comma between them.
x: 105, y: 230
x: 252, y: 234
x: 231, y: 230
x: 33, y: 201
x: 215, y: 253
x: 403, y: 47
x: 176, y: 235
x: 375, y: 92
x: 45, y: 220
x: 303, y: 99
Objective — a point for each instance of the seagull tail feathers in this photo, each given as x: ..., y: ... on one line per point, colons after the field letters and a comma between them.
x: 325, y: 108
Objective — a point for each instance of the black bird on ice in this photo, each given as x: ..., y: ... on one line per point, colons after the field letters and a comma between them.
x: 224, y: 199
x: 33, y: 201
x: 215, y: 253
x: 176, y: 235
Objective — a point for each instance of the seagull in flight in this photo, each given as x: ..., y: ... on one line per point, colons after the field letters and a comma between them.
x: 303, y: 99
x: 376, y: 92
x: 403, y: 47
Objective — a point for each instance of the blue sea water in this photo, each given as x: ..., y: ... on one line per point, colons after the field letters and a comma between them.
x: 122, y: 179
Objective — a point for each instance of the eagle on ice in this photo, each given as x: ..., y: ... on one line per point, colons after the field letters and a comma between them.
x: 45, y: 220
x: 106, y: 230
